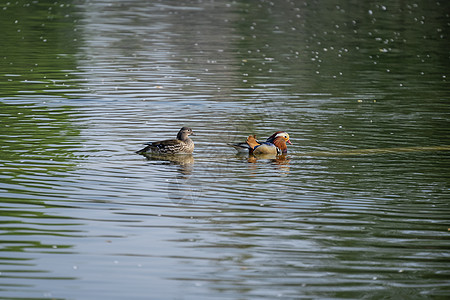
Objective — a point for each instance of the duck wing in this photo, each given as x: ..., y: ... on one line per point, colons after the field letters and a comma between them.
x: 167, y: 146
x: 266, y: 148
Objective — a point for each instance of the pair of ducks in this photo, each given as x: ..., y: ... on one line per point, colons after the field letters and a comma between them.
x: 274, y: 145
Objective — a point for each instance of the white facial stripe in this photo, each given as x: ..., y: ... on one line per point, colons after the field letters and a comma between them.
x: 283, y: 134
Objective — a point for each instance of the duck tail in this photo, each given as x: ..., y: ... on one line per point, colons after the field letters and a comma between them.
x: 240, y: 146
x: 143, y: 150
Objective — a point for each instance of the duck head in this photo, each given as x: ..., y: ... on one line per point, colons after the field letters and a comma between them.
x: 282, y: 134
x: 280, y: 141
x: 184, y: 133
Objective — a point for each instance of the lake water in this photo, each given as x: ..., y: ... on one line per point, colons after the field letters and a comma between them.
x: 359, y: 208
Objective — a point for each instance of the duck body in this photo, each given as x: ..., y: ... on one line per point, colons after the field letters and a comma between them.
x: 266, y: 149
x: 181, y: 145
x: 274, y: 145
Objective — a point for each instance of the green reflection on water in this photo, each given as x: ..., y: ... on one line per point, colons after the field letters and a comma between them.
x: 36, y: 153
x: 37, y: 62
x: 36, y: 132
x: 39, y: 43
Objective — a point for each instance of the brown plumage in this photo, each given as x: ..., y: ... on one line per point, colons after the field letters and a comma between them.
x: 181, y: 145
x: 280, y: 143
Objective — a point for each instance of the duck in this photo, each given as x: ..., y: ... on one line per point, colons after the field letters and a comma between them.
x: 274, y: 144
x: 277, y: 146
x: 181, y: 145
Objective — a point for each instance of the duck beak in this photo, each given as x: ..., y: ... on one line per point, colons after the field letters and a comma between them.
x: 289, y: 142
x: 192, y: 133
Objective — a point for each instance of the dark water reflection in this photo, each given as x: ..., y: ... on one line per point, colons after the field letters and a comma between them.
x: 358, y: 208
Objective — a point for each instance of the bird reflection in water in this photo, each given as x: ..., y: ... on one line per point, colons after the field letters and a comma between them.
x: 282, y: 162
x: 185, y: 162
x: 180, y: 189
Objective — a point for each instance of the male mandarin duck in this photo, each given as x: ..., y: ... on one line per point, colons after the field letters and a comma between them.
x: 181, y: 145
x: 275, y: 144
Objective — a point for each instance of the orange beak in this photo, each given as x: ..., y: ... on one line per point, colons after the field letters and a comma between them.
x: 289, y: 142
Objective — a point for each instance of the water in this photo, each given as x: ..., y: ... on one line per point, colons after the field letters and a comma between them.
x: 359, y: 208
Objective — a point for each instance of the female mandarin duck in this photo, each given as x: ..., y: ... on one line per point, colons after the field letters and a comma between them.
x: 275, y: 144
x: 181, y: 145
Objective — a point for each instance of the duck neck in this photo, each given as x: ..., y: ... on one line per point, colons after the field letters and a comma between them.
x: 280, y: 143
x: 183, y: 136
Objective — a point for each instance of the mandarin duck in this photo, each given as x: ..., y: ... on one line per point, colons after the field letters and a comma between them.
x: 181, y: 145
x: 275, y: 144
x: 276, y: 147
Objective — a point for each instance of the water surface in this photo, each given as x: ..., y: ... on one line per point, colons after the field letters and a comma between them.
x: 357, y: 209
